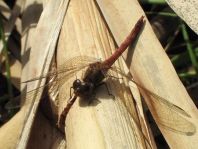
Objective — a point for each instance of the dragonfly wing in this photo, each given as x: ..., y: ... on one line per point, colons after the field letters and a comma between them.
x: 119, y: 91
x: 52, y: 84
x: 66, y: 70
x: 77, y: 64
x: 15, y: 102
x: 69, y: 66
x: 169, y: 115
x: 170, y: 119
x: 78, y: 61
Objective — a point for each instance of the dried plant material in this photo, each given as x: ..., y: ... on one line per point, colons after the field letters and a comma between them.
x: 43, y: 46
x: 5, y: 10
x: 15, y: 68
x: 9, y: 26
x: 44, y: 135
x: 152, y: 69
x: 187, y: 10
x: 34, y: 9
x: 104, y: 123
x: 144, y: 123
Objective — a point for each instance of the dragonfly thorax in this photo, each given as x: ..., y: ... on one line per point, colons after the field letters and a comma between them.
x: 94, y: 74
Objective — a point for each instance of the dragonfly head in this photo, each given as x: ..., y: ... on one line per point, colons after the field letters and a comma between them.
x: 77, y: 84
x: 78, y: 87
x: 82, y: 88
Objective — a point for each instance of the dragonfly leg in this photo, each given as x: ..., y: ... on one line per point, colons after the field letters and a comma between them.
x: 110, y: 76
x: 70, y: 92
x: 105, y: 84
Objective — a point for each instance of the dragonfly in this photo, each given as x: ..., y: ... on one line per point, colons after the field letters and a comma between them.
x: 95, y: 73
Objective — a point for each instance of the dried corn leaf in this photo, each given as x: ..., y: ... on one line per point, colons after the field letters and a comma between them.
x: 105, y: 123
x: 187, y: 10
x: 43, y: 46
x: 152, y: 69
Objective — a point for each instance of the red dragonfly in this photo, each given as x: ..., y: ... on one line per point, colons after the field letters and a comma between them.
x: 94, y: 75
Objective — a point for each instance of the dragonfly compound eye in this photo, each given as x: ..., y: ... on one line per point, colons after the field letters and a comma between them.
x: 77, y: 83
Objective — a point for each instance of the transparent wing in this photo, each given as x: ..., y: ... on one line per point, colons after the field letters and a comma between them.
x: 69, y: 66
x: 15, y: 102
x: 168, y: 114
x: 128, y: 104
x: 61, y: 75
